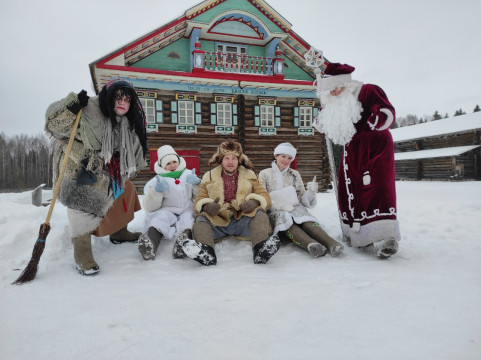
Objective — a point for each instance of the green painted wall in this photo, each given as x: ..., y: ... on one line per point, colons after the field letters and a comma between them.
x: 160, y: 60
x: 294, y: 72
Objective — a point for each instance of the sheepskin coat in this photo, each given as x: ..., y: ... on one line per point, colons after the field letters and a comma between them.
x: 290, y: 200
x: 96, y: 198
x: 248, y: 187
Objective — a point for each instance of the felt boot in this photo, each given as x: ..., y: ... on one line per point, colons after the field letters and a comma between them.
x: 300, y: 238
x: 201, y: 249
x: 149, y: 243
x: 263, y: 245
x: 315, y: 231
x: 124, y: 235
x: 82, y: 252
x: 177, y: 252
x: 385, y: 248
x: 264, y: 250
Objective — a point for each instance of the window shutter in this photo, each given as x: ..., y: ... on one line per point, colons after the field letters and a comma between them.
x: 173, y: 112
x: 315, y: 112
x: 213, y: 113
x: 198, y: 113
x: 234, y: 114
x: 277, y: 113
x: 296, y: 116
x: 159, y: 114
x: 257, y: 119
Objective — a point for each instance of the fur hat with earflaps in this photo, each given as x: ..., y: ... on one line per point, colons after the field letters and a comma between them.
x: 231, y: 148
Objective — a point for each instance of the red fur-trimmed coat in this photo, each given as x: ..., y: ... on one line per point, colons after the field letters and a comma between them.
x: 366, y: 182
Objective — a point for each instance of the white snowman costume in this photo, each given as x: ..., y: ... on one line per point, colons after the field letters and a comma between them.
x: 170, y: 211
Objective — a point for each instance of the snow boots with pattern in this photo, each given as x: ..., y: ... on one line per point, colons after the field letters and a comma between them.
x: 315, y: 231
x: 300, y: 238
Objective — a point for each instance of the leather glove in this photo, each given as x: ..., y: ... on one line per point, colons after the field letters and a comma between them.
x: 213, y: 208
x: 161, y: 185
x: 249, y: 205
x: 82, y: 102
x: 192, y: 178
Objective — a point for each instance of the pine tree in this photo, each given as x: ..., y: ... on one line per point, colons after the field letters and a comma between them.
x: 476, y: 109
x: 459, y: 112
x: 436, y: 116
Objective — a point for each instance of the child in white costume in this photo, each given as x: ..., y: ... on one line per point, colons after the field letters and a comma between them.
x: 168, y: 204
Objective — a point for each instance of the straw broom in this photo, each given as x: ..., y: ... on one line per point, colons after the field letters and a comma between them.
x: 31, y: 270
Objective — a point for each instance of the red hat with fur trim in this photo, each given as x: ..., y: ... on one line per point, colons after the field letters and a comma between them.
x: 338, y: 75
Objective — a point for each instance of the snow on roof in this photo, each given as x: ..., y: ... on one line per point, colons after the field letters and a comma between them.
x: 434, y: 153
x: 451, y: 125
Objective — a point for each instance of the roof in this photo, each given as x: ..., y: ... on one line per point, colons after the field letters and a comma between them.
x: 456, y: 124
x: 434, y: 153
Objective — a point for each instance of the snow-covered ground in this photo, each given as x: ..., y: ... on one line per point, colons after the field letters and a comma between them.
x: 424, y: 303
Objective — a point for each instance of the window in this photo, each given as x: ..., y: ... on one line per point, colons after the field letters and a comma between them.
x: 233, y: 56
x: 305, y: 116
x: 186, y: 113
x: 149, y: 109
x: 267, y: 116
x: 224, y: 114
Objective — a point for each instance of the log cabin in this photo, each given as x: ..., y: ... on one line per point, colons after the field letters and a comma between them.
x: 446, y: 149
x: 224, y: 70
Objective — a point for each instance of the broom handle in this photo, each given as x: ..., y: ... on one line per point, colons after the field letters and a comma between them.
x: 62, y: 169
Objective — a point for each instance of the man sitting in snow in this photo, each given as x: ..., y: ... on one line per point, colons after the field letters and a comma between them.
x: 231, y: 202
x: 358, y: 117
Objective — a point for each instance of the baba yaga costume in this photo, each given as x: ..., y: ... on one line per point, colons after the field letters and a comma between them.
x: 288, y: 214
x: 108, y: 150
x: 359, y: 118
x: 231, y: 204
x: 168, y: 204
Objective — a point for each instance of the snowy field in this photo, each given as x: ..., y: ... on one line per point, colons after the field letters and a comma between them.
x: 424, y: 303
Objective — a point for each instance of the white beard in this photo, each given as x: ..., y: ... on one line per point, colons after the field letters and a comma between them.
x: 338, y: 116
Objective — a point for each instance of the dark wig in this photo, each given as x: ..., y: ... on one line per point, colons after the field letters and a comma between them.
x: 135, y: 114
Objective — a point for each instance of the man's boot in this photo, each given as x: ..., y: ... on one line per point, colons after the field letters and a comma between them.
x: 124, y: 235
x: 201, y: 249
x: 315, y: 231
x: 149, y: 243
x: 177, y: 251
x: 263, y: 245
x: 300, y: 238
x: 82, y: 253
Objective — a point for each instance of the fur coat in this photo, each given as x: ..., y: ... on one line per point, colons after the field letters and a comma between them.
x: 290, y: 200
x: 96, y: 198
x: 248, y: 187
x: 366, y: 182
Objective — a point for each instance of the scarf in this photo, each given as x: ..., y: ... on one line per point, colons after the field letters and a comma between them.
x: 173, y: 174
x: 127, y: 154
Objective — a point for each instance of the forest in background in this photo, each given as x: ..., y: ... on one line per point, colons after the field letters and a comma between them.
x: 26, y: 161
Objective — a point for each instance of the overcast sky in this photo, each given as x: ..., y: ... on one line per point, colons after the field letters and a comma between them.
x: 425, y: 54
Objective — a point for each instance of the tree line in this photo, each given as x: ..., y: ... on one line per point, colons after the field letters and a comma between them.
x: 25, y: 162
x: 413, y: 119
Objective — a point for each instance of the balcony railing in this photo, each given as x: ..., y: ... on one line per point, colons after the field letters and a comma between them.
x: 243, y: 64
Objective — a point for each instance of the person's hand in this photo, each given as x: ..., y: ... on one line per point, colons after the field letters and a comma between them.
x: 313, y: 186
x: 249, y: 205
x: 161, y: 185
x: 213, y: 208
x: 83, y: 100
x: 192, y: 178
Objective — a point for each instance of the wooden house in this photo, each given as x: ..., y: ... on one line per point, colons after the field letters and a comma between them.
x: 447, y: 149
x: 224, y: 70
